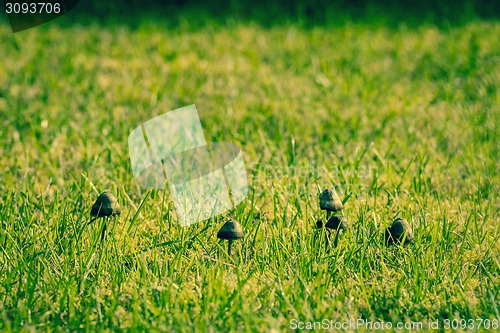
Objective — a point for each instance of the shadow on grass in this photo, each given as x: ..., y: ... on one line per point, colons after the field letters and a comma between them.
x: 196, y: 14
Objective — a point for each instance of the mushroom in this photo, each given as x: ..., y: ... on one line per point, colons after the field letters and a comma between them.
x: 319, y: 223
x: 336, y: 223
x: 231, y: 230
x: 399, y: 232
x: 329, y: 200
x: 107, y: 206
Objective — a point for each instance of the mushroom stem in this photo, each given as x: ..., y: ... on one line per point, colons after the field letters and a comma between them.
x: 327, y: 238
x: 230, y: 231
x: 103, y: 232
x: 230, y: 242
x: 328, y: 215
x: 335, y: 242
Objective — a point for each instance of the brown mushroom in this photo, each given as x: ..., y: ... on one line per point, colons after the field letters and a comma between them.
x: 230, y: 231
x: 399, y: 232
x: 329, y: 200
x: 105, y: 206
x: 336, y: 223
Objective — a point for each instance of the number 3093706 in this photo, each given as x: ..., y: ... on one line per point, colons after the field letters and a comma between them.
x: 32, y: 8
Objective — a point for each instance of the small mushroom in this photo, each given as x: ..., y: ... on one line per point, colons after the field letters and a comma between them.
x: 336, y: 223
x: 399, y: 232
x: 106, y: 206
x: 230, y: 231
x: 329, y: 200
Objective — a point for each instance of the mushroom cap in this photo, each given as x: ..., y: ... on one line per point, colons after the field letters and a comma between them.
x: 397, y: 231
x: 230, y: 230
x: 105, y: 205
x: 334, y: 222
x: 337, y: 222
x: 329, y: 200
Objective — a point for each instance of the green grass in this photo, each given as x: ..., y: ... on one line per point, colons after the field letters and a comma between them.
x: 405, y: 119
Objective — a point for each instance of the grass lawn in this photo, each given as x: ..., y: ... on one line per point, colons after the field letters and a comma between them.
x: 405, y: 119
